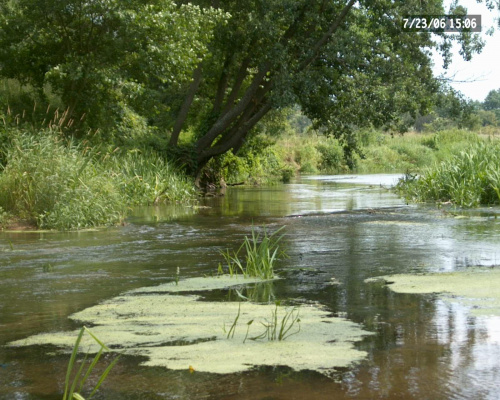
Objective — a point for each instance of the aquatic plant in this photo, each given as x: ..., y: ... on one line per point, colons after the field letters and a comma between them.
x: 73, y: 388
x: 469, y: 179
x: 276, y: 328
x: 230, y: 334
x: 256, y: 256
x: 279, y: 328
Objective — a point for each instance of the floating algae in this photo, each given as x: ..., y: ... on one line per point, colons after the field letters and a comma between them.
x: 478, y: 288
x: 177, y: 331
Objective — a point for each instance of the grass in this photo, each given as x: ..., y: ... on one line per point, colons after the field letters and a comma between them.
x: 50, y: 184
x: 256, y: 256
x: 411, y: 151
x: 146, y: 178
x: 76, y: 379
x: 54, y: 183
x: 468, y: 179
x: 279, y: 328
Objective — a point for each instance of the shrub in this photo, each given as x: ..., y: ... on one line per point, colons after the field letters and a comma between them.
x: 332, y: 156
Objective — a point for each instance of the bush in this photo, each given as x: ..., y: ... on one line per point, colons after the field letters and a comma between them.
x: 332, y: 156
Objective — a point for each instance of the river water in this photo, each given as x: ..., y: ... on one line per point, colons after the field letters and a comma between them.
x: 349, y: 228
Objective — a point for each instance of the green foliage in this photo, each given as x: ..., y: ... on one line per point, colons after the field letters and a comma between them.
x: 260, y: 253
x: 104, y: 56
x: 332, y: 156
x: 146, y: 178
x: 410, y: 152
x: 51, y: 184
x: 4, y: 218
x: 257, y: 162
x: 73, y: 387
x: 492, y: 100
x: 469, y: 179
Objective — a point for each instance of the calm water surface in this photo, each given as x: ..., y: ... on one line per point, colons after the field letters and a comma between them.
x: 349, y: 228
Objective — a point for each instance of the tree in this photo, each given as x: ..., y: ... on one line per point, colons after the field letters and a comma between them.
x: 103, y: 55
x: 345, y: 63
x: 216, y: 68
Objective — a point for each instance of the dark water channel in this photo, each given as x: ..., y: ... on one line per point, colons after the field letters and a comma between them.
x: 336, y: 227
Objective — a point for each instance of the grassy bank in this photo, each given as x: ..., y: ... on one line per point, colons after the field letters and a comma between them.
x: 310, y: 153
x: 468, y: 179
x: 49, y: 182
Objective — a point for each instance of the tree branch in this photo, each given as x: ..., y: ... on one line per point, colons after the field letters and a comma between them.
x: 321, y: 42
x: 225, y: 120
x: 240, y: 77
x: 233, y: 141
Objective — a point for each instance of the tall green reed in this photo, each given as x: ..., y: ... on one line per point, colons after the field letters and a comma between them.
x: 55, y: 183
x: 256, y: 256
x: 48, y: 182
x: 76, y: 379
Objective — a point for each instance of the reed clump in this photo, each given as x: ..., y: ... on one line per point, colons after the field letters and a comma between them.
x: 51, y: 182
x: 468, y: 179
x: 256, y: 256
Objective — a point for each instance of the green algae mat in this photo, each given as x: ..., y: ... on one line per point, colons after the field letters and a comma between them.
x: 477, y: 288
x: 174, y: 328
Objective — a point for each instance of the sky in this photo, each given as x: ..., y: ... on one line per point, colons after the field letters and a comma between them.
x: 477, y: 77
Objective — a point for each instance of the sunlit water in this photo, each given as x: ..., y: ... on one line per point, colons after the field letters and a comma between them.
x: 348, y: 228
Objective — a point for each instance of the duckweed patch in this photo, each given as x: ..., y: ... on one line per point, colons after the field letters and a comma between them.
x: 477, y: 288
x: 177, y: 331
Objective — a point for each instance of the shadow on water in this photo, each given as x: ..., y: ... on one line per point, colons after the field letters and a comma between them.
x: 339, y: 232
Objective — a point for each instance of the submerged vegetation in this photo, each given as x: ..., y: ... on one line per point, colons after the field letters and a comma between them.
x: 256, y: 256
x: 468, y: 179
x: 157, y: 328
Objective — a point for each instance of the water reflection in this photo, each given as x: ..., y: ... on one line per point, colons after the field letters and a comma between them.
x: 424, y: 347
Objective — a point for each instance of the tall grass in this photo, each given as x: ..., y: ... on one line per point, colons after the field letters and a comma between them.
x: 146, y: 178
x: 468, y: 179
x: 256, y: 256
x: 53, y: 183
x: 411, y: 151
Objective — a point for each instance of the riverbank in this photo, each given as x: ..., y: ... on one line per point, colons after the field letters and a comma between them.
x: 51, y: 182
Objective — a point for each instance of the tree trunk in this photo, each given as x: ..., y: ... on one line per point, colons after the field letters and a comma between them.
x: 237, y: 120
x: 183, y: 112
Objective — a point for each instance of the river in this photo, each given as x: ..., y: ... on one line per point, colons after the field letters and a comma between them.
x: 345, y: 228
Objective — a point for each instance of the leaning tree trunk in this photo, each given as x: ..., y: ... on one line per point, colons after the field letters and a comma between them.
x: 244, y: 108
